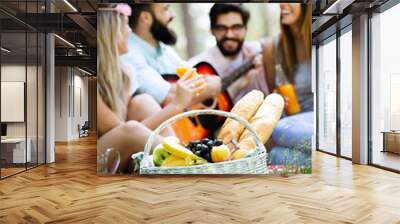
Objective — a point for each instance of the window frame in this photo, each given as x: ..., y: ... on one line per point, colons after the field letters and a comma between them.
x: 333, y: 37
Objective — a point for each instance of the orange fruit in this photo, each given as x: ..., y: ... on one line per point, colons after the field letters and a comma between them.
x: 180, y: 71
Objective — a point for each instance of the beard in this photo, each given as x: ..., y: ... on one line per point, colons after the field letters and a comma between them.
x: 162, y: 33
x: 227, y: 52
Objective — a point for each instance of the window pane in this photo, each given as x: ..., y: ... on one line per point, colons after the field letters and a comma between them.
x: 15, y: 150
x: 31, y: 97
x: 22, y: 86
x: 385, y: 87
x: 327, y: 96
x: 41, y: 98
x: 346, y: 93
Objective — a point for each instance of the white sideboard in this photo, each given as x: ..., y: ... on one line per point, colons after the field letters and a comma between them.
x: 17, y: 145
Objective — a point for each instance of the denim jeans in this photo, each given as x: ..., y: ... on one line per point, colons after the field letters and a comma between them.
x: 292, y: 137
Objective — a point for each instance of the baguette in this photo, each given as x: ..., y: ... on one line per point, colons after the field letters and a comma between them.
x: 246, y: 107
x: 263, y: 122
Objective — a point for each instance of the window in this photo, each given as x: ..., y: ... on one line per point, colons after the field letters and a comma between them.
x: 385, y: 88
x: 22, y: 77
x: 346, y: 93
x: 327, y: 96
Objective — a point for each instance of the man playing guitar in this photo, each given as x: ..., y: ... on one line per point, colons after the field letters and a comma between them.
x: 229, y: 27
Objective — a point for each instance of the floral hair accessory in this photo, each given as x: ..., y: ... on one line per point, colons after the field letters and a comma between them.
x: 121, y: 8
x: 124, y: 9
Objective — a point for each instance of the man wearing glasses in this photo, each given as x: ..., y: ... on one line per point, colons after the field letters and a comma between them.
x: 229, y: 27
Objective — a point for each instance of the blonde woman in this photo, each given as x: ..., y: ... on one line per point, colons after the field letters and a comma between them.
x: 114, y: 130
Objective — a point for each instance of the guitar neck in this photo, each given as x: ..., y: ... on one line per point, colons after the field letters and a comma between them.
x: 236, y: 74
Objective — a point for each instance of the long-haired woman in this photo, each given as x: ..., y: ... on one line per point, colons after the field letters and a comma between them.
x: 114, y: 129
x: 291, y: 49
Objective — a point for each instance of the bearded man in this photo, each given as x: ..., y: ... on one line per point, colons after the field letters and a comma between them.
x: 150, y: 54
x: 228, y: 22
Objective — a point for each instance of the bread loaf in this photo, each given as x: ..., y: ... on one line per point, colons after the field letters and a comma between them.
x: 246, y: 107
x: 263, y: 122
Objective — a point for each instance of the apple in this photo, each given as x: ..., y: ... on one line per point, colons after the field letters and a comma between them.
x: 159, y: 155
x: 220, y: 153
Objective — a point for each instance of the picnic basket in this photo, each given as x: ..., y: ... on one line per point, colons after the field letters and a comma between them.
x: 253, y: 163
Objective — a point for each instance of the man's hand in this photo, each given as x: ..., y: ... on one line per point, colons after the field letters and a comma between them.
x: 214, y: 85
x: 258, y: 67
x: 258, y: 61
x: 213, y: 89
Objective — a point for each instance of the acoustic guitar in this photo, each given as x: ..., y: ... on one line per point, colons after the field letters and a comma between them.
x: 204, y: 126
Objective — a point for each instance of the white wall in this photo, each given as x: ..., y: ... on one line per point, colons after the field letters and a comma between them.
x: 71, y: 93
x: 61, y: 103
x: 81, y: 100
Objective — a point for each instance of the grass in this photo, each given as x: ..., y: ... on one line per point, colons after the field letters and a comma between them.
x: 294, y: 165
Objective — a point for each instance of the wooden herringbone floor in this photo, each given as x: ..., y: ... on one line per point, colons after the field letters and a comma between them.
x: 69, y: 191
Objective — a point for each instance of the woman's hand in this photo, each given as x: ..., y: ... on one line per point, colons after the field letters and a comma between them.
x: 285, y: 98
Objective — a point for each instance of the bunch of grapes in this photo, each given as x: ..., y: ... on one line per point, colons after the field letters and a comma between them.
x: 203, y: 147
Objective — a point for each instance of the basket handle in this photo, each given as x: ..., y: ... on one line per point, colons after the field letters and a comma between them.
x: 192, y: 113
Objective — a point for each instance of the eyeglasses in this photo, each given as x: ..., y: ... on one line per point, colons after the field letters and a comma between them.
x: 236, y: 29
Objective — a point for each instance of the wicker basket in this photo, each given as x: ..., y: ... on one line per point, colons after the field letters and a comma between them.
x: 254, y: 163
